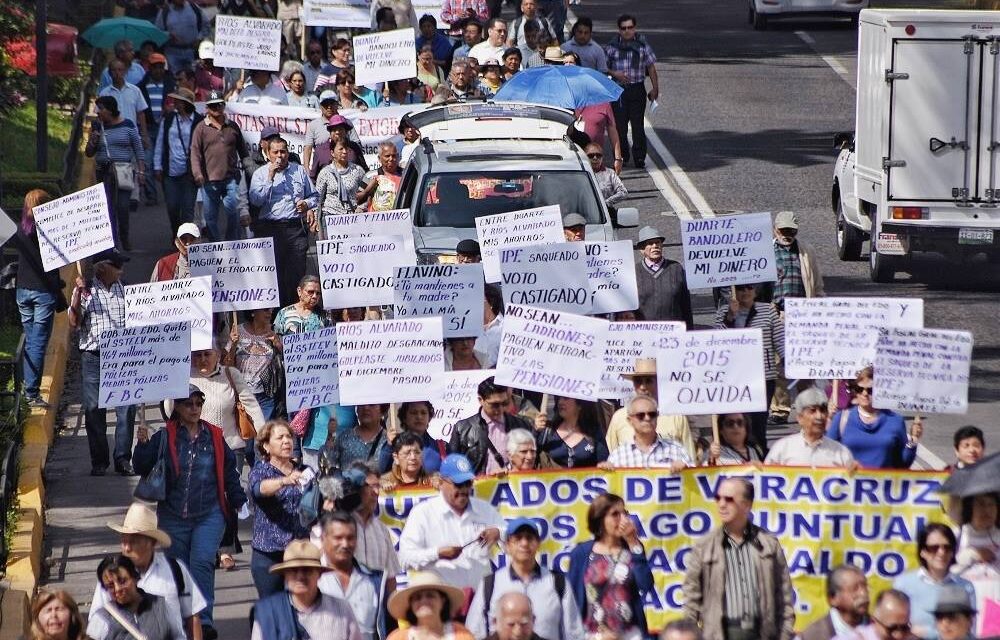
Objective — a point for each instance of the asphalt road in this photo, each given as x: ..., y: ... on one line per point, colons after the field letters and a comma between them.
x: 749, y: 118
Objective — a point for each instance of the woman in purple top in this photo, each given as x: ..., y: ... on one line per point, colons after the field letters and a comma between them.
x: 877, y: 438
x: 276, y: 483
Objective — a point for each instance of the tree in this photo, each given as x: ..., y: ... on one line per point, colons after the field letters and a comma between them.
x: 16, y: 23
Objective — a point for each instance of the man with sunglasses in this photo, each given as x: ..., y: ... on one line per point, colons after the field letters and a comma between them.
x: 647, y: 449
x: 630, y: 60
x: 675, y: 428
x: 890, y: 621
x: 737, y: 583
x: 482, y: 438
x: 453, y: 533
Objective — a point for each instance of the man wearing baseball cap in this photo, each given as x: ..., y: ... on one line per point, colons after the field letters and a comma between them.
x: 453, y: 533
x: 217, y: 148
x: 574, y: 227
x: 556, y: 615
x: 154, y: 86
x: 316, y: 133
x: 171, y: 156
x: 175, y: 265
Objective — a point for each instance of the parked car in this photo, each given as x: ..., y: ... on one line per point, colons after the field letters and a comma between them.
x: 762, y: 11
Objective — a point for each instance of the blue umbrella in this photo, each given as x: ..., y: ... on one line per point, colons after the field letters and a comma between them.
x: 107, y: 32
x: 567, y: 86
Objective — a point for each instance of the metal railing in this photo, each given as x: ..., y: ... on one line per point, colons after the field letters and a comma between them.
x: 11, y: 415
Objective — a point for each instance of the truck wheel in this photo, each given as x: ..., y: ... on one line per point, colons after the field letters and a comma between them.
x: 849, y: 238
x: 758, y: 19
x: 881, y: 268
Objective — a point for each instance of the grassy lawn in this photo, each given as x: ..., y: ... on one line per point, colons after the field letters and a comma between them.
x: 20, y: 127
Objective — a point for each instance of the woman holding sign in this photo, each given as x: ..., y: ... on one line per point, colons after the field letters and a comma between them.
x: 735, y: 446
x: 744, y: 312
x: 877, y: 438
x: 574, y: 439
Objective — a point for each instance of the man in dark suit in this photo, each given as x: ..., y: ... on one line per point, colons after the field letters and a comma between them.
x: 847, y: 593
x: 482, y: 438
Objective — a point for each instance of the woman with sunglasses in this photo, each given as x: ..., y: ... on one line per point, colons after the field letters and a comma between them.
x: 735, y: 446
x: 877, y: 438
x: 936, y: 553
x: 744, y: 312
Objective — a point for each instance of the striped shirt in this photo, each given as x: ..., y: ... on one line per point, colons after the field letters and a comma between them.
x: 742, y: 600
x: 121, y: 141
x: 155, y: 92
x: 663, y: 453
x: 789, y: 268
x: 102, y: 309
x: 765, y: 317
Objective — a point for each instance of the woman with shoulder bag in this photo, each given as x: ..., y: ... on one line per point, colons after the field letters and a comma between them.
x: 255, y: 349
x: 201, y: 489
x: 116, y: 143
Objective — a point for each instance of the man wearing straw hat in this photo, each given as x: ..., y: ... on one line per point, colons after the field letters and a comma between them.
x: 171, y: 157
x: 668, y: 427
x: 301, y: 610
x: 158, y: 575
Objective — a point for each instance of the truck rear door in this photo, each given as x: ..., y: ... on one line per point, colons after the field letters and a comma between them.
x: 933, y: 124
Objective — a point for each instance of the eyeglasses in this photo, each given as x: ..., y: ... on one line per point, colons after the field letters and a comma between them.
x: 409, y: 454
x: 497, y: 405
x: 626, y: 27
x: 646, y: 415
x: 934, y: 548
x: 595, y: 155
x: 727, y: 499
x: 893, y: 629
x: 859, y: 390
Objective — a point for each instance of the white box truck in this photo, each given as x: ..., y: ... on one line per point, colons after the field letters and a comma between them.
x: 923, y: 171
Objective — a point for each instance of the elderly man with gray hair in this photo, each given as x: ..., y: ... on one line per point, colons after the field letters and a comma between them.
x: 810, y: 447
x: 648, y: 449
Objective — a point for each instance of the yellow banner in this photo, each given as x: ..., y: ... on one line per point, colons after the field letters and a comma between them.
x: 823, y: 517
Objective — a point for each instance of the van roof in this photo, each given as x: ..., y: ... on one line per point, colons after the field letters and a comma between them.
x: 888, y: 16
x: 498, y: 155
x: 492, y: 120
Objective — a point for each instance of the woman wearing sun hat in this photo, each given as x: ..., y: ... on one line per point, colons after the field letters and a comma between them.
x: 429, y: 606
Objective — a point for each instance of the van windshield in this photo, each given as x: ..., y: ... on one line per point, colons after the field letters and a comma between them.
x: 457, y: 199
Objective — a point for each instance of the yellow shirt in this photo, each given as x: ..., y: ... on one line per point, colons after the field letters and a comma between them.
x: 667, y: 426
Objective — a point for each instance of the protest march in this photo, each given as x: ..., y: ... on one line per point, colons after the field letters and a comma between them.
x: 404, y: 354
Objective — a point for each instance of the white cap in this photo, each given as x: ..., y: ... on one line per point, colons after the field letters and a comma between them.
x: 188, y: 229
x: 206, y: 50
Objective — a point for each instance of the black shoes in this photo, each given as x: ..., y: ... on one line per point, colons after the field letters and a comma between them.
x: 123, y: 468
x: 98, y: 471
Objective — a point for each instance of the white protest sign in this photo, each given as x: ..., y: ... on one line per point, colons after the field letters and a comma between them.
x: 548, y: 276
x: 611, y: 272
x: 552, y: 352
x: 627, y: 342
x: 706, y: 372
x: 291, y: 122
x: 7, y: 227
x: 395, y: 222
x: 431, y: 7
x: 834, y: 338
x: 385, y: 55
x: 357, y: 272
x: 337, y: 13
x: 311, y: 377
x: 452, y: 291
x: 457, y: 397
x: 243, y: 273
x: 185, y: 300
x: 73, y: 227
x: 145, y: 364
x: 247, y: 43
x: 922, y: 370
x: 516, y: 229
x: 727, y: 250
x: 389, y: 360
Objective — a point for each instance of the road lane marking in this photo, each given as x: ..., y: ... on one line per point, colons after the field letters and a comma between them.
x: 833, y: 63
x: 679, y: 176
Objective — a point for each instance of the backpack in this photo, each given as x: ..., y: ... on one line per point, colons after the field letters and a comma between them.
x: 165, y: 11
x: 489, y: 582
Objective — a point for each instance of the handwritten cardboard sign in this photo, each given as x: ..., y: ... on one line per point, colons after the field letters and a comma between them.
x: 395, y: 222
x: 385, y: 55
x: 247, y: 43
x: 627, y: 342
x: 728, y: 250
x: 548, y: 276
x: 542, y: 225
x: 389, y: 360
x: 922, y: 370
x: 357, y: 272
x: 311, y: 369
x: 611, y: 272
x: 243, y: 273
x: 73, y: 227
x: 186, y: 300
x: 552, y: 352
x: 834, y: 338
x: 145, y: 364
x: 456, y: 398
x: 702, y: 372
x: 336, y: 13
x: 452, y: 291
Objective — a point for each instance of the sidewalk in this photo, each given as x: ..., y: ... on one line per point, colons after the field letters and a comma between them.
x: 79, y: 506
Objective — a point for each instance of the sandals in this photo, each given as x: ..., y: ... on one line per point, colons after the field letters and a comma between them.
x: 227, y: 562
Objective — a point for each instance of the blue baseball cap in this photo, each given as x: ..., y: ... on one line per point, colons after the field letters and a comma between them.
x: 517, y: 524
x: 457, y: 469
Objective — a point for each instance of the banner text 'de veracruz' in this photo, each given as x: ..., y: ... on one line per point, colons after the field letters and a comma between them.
x: 821, y: 516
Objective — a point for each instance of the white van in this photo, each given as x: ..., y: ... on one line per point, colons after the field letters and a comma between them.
x: 761, y: 11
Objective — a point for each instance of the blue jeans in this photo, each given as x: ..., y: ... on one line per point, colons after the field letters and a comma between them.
x: 195, y: 541
x: 96, y: 418
x: 37, y: 313
x: 224, y: 194
x: 265, y: 581
x: 180, y: 194
x: 266, y: 403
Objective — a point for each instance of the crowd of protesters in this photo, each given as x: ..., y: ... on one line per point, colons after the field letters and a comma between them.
x: 322, y: 562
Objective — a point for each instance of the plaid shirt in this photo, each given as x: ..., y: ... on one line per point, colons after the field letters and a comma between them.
x: 454, y: 10
x: 663, y: 454
x: 102, y: 309
x: 631, y: 57
x: 789, y: 267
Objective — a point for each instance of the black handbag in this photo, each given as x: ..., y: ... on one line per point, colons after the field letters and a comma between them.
x: 152, y: 487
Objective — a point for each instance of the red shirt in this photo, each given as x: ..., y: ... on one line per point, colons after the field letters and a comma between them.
x: 596, y: 120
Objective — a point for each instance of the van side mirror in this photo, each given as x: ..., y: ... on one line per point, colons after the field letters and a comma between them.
x: 627, y: 217
x: 844, y: 140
